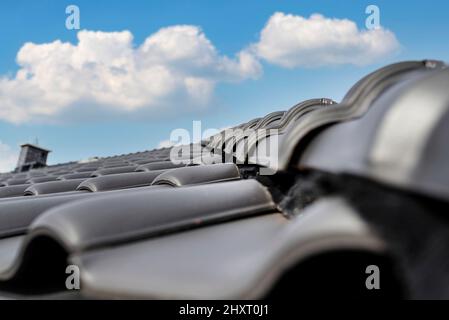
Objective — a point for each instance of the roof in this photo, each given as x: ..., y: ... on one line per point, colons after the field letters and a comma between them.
x: 219, y: 225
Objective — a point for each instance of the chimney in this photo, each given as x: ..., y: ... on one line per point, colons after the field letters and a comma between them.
x: 31, y: 156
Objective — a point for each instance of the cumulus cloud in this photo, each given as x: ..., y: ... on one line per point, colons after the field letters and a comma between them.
x: 176, y: 66
x: 175, y: 69
x: 8, y: 158
x: 295, y: 41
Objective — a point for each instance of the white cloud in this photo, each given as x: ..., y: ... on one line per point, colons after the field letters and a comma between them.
x: 175, y: 67
x: 8, y: 158
x: 294, y: 41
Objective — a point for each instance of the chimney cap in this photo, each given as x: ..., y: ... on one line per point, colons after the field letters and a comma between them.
x: 34, y: 146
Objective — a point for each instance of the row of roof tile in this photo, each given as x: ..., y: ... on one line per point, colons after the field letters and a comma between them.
x: 213, y: 226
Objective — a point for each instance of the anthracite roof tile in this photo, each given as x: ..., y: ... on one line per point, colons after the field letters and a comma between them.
x: 119, y: 181
x: 79, y: 224
x: 42, y: 179
x: 113, y: 170
x: 77, y: 175
x: 140, y: 226
x: 198, y: 174
x: 233, y: 260
x: 13, y: 191
x: 160, y: 165
x: 14, y: 181
x: 53, y: 187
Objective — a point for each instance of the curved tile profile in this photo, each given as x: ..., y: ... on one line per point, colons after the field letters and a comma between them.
x: 400, y: 141
x: 254, y: 149
x: 13, y: 191
x: 52, y: 187
x: 36, y: 173
x: 155, y: 210
x: 161, y: 165
x: 245, y: 141
x: 9, y: 252
x: 60, y: 173
x: 14, y: 182
x: 119, y: 181
x: 355, y: 104
x: 42, y: 179
x: 298, y: 110
x: 80, y: 175
x: 239, y: 134
x: 269, y: 119
x: 226, y: 239
x: 86, y: 169
x: 226, y: 140
x: 207, y: 158
x: 113, y: 170
x: 16, y: 214
x: 198, y: 174
x: 233, y: 260
x: 145, y: 161
x: 112, y: 165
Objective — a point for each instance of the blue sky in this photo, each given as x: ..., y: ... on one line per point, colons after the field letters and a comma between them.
x: 420, y: 28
